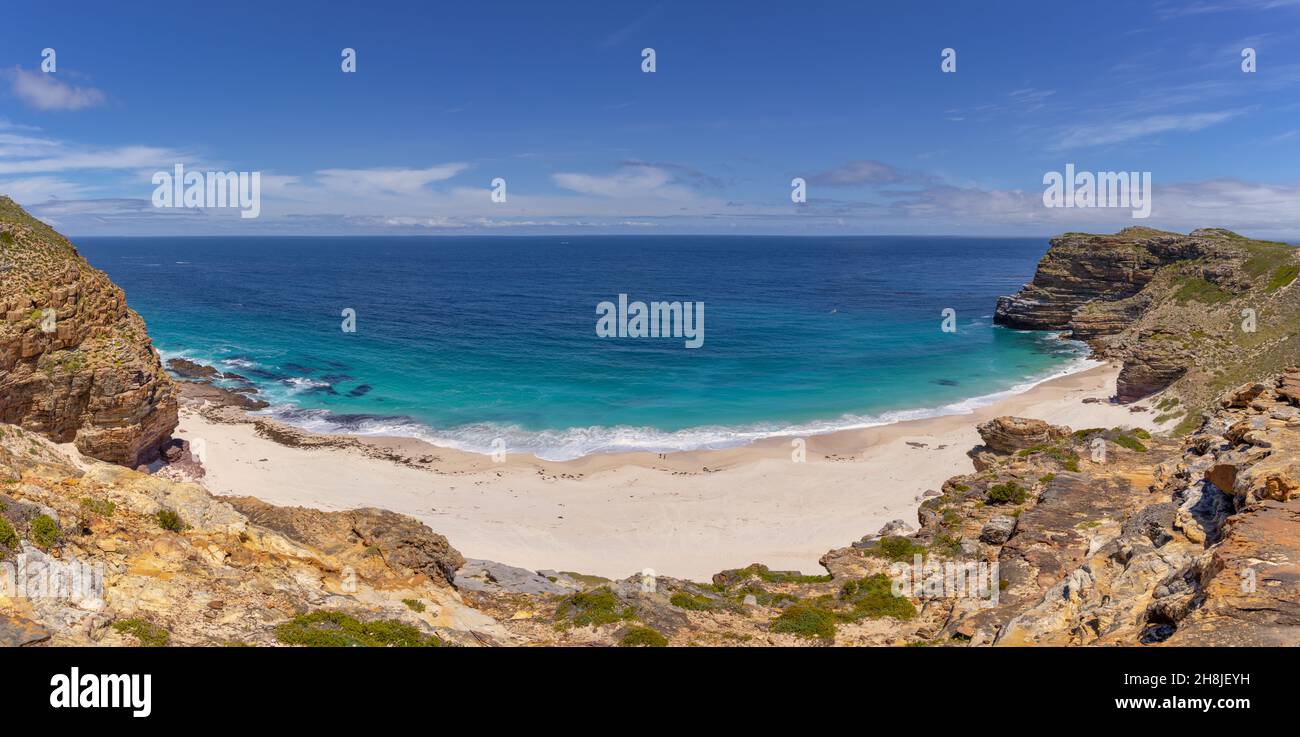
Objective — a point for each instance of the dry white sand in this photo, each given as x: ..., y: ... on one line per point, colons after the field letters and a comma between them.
x: 614, y: 515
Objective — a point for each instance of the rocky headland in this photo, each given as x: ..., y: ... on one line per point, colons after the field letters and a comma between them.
x: 1189, y: 315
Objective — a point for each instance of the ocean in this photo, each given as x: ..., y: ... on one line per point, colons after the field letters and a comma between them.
x: 464, y: 340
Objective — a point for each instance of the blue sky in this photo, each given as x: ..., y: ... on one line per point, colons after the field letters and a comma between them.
x: 745, y: 97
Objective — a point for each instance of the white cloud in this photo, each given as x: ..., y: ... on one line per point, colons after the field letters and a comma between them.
x: 46, y: 92
x: 1100, y: 134
x: 392, y: 181
x: 632, y: 181
x: 39, y: 189
x: 122, y: 157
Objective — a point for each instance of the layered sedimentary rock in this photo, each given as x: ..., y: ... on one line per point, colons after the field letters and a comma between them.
x: 76, y: 364
x: 1205, y: 308
x: 168, y: 563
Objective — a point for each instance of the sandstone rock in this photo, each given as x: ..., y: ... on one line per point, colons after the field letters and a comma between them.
x: 1010, y: 434
x: 998, y: 530
x: 395, y: 539
x: 1242, y: 396
x: 486, y: 575
x: 17, y: 632
x: 189, y: 370
x: 96, y: 380
x: 895, y: 527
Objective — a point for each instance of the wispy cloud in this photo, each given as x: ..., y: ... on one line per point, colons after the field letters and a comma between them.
x: 392, y: 181
x: 47, y: 92
x: 1180, y: 8
x: 122, y: 157
x: 1101, y: 134
x: 866, y: 172
x: 631, y: 180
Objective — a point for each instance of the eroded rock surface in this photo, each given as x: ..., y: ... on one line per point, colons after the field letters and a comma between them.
x: 75, y: 362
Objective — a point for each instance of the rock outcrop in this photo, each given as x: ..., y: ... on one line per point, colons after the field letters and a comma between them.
x: 143, y: 560
x: 76, y: 364
x: 1195, y: 312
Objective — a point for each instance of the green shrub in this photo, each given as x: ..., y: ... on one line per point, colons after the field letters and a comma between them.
x: 148, y: 633
x: 693, y: 602
x: 169, y: 520
x: 643, y: 637
x: 414, y: 605
x: 945, y: 544
x: 873, y: 597
x: 1130, y: 442
x: 806, y: 621
x: 1046, y: 478
x: 44, y: 532
x: 101, y: 507
x: 1142, y: 434
x: 592, y: 608
x: 335, y: 629
x: 897, y: 548
x: 8, y: 538
x: 769, y: 576
x: 1006, y: 493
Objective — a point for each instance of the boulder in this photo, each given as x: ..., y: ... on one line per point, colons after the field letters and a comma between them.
x: 998, y: 529
x: 1010, y: 434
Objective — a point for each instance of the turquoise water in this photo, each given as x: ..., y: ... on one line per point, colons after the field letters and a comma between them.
x: 461, y: 340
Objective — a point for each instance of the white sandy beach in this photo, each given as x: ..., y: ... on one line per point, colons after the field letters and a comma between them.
x: 614, y: 515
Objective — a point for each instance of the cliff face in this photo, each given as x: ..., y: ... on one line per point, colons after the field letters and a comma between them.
x: 167, y: 563
x: 1200, y: 311
x: 75, y: 362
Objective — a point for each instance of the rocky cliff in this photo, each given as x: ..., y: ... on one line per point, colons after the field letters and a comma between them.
x: 75, y: 362
x: 1193, y: 313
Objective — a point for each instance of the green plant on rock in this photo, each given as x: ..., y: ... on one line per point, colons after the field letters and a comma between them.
x: 1006, y: 493
x: 873, y: 597
x: 897, y: 548
x: 414, y: 605
x: 8, y: 538
x: 643, y: 637
x: 592, y: 608
x: 324, y: 628
x: 100, y: 507
x: 169, y: 520
x: 765, y: 574
x: 806, y: 621
x: 946, y: 545
x: 1130, y: 442
x: 148, y: 633
x: 44, y: 532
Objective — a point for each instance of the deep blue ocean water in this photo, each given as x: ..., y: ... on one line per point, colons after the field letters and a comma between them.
x: 461, y: 340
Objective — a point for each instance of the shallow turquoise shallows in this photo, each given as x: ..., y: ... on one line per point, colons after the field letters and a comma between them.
x: 462, y: 340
